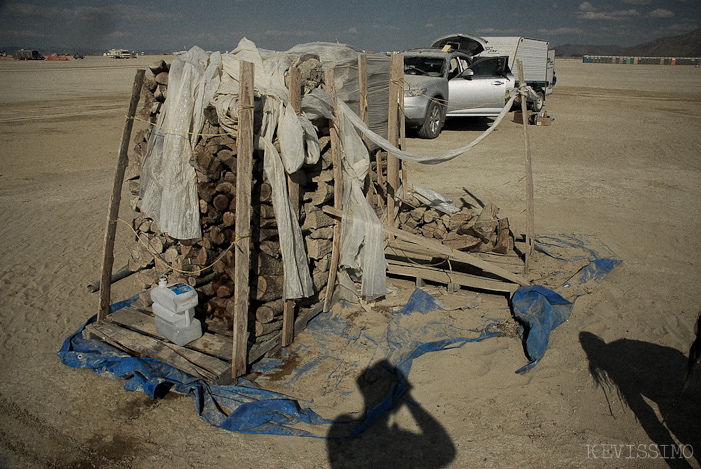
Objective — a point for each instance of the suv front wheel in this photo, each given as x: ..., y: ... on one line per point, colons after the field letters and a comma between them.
x: 433, y: 122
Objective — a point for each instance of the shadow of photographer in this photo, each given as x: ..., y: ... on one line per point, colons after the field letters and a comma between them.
x: 371, y: 441
x: 641, y: 372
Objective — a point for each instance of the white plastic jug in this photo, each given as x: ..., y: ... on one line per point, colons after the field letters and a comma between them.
x: 174, y: 307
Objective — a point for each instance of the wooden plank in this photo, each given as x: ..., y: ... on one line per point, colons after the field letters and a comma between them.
x: 445, y: 276
x: 396, y: 73
x: 259, y: 349
x: 142, y: 320
x: 363, y: 113
x: 288, y: 314
x: 242, y: 255
x: 439, y: 248
x: 405, y: 250
x: 188, y: 361
x: 363, y: 105
x: 530, y: 230
x: 115, y: 199
x: 307, y: 315
x: 337, y: 191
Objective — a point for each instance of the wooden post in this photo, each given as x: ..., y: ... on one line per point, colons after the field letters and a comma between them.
x: 396, y: 73
x: 288, y: 314
x: 530, y: 231
x: 242, y: 255
x: 363, y: 113
x: 402, y: 131
x: 115, y: 199
x: 337, y: 191
x: 363, y: 89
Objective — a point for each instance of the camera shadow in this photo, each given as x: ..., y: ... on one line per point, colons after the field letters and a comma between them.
x: 372, y: 441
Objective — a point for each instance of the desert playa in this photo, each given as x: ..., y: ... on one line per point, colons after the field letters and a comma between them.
x: 621, y: 161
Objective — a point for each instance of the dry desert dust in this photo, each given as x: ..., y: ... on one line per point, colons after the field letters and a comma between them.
x: 621, y: 161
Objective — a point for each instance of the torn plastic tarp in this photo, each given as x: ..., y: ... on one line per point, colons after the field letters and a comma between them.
x: 248, y: 409
x: 539, y: 309
x: 168, y: 181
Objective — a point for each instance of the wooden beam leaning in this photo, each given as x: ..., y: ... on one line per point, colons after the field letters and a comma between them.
x: 396, y: 73
x: 288, y: 314
x: 337, y: 190
x: 115, y: 199
x: 439, y: 248
x: 530, y: 230
x: 242, y: 255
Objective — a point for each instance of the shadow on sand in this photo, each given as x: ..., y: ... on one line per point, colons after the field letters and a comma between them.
x: 642, y: 374
x: 382, y: 444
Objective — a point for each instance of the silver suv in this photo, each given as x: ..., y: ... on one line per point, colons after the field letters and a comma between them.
x: 446, y: 81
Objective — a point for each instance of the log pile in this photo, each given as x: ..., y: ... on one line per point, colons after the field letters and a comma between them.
x: 208, y: 264
x: 468, y: 230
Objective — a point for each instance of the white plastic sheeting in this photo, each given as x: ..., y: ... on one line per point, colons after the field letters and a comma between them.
x: 168, y: 181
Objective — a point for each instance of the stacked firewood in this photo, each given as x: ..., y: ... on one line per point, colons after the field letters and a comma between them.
x: 208, y: 263
x: 467, y: 230
x: 474, y: 230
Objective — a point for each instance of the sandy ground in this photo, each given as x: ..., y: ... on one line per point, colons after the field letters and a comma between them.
x: 621, y: 161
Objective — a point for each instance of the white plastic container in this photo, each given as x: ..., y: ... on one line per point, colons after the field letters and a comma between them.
x: 174, y: 307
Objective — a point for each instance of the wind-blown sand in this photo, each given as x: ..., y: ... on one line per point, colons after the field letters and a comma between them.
x: 621, y: 161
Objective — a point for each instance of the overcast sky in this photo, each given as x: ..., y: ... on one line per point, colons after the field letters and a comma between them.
x: 373, y: 25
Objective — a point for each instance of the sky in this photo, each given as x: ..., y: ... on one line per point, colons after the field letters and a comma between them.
x: 372, y: 25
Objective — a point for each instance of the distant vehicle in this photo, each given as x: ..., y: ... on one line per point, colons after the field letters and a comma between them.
x: 538, y: 63
x: 448, y: 80
x: 119, y: 54
x: 24, y: 54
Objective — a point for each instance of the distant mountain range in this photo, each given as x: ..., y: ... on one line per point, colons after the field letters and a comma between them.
x: 687, y: 45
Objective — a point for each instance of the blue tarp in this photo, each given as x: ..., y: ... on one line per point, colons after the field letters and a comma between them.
x: 410, y: 333
x: 539, y: 310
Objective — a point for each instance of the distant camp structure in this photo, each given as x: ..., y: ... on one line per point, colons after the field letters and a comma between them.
x: 120, y: 54
x: 618, y: 59
x: 24, y: 54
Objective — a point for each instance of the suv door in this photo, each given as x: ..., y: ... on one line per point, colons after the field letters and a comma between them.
x: 481, y: 94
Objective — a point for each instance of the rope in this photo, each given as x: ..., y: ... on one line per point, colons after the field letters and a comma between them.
x: 176, y: 131
x: 155, y: 254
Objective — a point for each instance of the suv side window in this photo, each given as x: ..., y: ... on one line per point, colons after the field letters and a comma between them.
x: 488, y: 67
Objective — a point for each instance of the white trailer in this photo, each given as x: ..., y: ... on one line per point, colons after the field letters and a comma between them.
x: 538, y: 62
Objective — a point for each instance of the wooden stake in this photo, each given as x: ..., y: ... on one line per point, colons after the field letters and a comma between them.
x: 115, y: 199
x: 396, y: 73
x: 402, y: 132
x: 363, y: 113
x: 363, y: 104
x: 288, y: 315
x: 337, y: 191
x: 530, y: 230
x: 242, y: 256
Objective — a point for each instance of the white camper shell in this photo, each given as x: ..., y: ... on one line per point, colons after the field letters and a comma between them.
x: 538, y: 62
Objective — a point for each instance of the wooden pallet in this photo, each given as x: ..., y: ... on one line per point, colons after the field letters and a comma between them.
x: 133, y: 330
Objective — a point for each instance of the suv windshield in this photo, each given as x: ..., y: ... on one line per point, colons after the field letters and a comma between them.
x: 429, y: 66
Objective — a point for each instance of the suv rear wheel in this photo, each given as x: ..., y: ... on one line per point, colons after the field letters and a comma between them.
x: 537, y: 105
x: 433, y: 122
